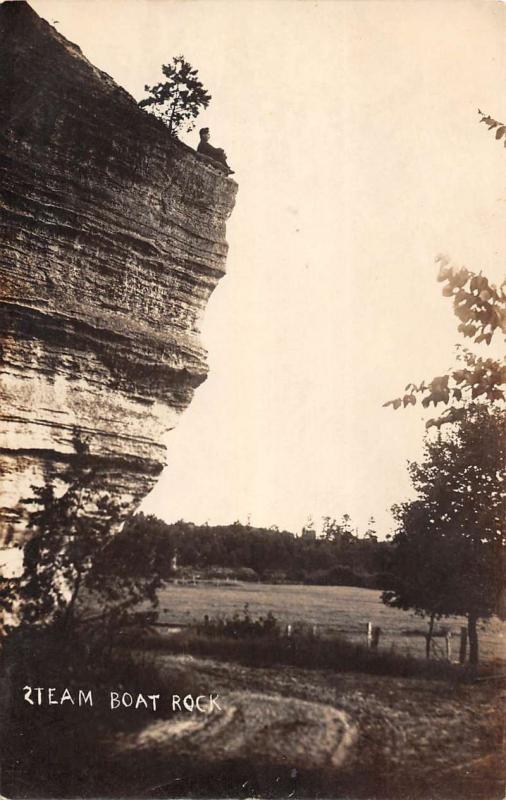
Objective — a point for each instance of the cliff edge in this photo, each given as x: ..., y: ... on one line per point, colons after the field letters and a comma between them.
x: 112, y: 240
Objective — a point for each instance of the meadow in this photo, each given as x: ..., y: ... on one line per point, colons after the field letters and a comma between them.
x: 334, y: 609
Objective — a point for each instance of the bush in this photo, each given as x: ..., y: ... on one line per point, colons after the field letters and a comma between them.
x: 239, y: 627
x: 336, y: 576
x: 60, y: 750
x: 274, y: 576
x: 228, y: 573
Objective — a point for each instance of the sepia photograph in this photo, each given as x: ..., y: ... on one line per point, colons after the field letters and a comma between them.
x: 252, y: 399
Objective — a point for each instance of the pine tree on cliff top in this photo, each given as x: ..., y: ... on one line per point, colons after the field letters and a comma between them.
x: 179, y: 99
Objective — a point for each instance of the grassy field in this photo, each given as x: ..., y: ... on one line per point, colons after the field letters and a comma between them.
x: 339, y: 609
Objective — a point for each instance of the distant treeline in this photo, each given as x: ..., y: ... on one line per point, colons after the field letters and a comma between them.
x: 338, y: 557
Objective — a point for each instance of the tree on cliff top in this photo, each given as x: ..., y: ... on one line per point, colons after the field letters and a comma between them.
x: 180, y: 98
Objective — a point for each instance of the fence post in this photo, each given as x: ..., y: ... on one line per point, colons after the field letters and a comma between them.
x: 376, y: 633
x: 369, y: 634
x: 448, y: 642
x: 463, y: 645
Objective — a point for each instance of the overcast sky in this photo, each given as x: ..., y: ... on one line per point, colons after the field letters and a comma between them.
x: 353, y: 131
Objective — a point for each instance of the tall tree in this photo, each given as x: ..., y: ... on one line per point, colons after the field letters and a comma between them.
x: 450, y: 548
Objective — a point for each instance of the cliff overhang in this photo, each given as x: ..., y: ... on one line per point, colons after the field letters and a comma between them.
x: 112, y: 240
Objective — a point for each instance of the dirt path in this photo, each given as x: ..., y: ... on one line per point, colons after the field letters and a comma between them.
x: 282, y: 736
x: 415, y: 738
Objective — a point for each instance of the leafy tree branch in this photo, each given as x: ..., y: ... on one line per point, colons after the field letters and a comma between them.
x: 480, y: 307
x: 493, y: 124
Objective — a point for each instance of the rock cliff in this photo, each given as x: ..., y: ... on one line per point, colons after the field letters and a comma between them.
x: 112, y: 240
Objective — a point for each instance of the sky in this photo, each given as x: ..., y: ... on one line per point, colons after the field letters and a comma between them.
x: 353, y: 131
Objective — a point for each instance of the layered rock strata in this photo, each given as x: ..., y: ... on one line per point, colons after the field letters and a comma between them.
x: 112, y: 238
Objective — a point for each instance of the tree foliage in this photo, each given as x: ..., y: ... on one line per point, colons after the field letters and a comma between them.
x: 449, y: 553
x: 339, y: 557
x: 180, y: 98
x: 449, y: 549
x: 480, y: 307
x: 493, y: 124
x: 73, y: 549
x: 340, y: 533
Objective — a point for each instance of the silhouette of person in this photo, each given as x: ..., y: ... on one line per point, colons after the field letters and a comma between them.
x: 216, y: 153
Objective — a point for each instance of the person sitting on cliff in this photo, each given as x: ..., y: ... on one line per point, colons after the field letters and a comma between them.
x: 216, y: 153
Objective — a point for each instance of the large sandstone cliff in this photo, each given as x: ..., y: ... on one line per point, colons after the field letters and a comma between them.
x: 112, y: 238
